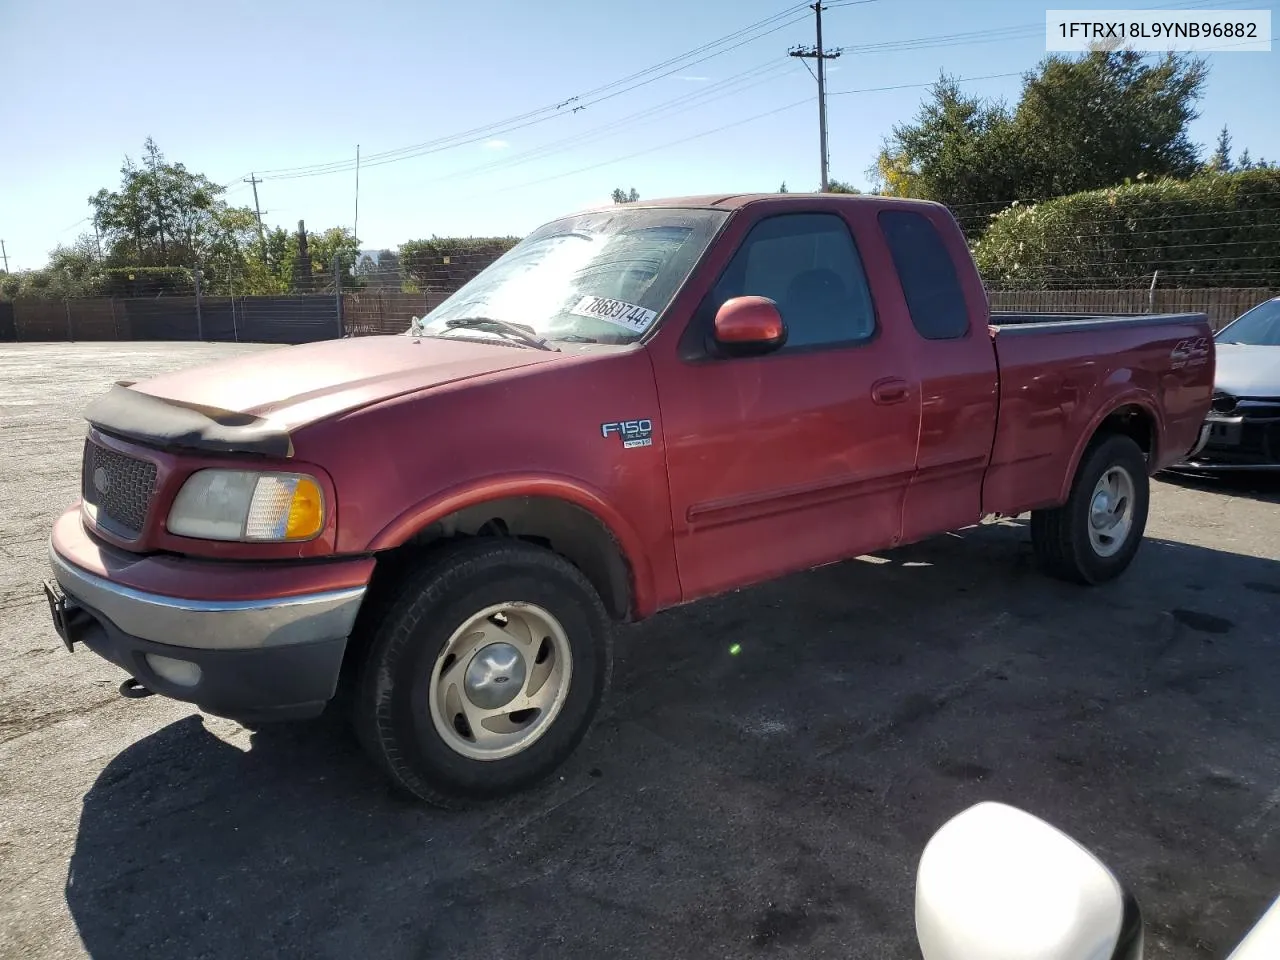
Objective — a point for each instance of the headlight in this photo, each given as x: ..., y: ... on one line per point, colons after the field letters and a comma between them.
x: 248, y: 505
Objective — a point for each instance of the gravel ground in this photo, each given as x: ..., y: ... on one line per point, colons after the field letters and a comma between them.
x: 774, y: 802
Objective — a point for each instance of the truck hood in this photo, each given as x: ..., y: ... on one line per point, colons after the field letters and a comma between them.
x: 251, y: 404
x: 299, y: 385
x: 1247, y: 371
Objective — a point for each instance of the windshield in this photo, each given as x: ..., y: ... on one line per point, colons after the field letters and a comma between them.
x: 597, y: 277
x: 1259, y: 327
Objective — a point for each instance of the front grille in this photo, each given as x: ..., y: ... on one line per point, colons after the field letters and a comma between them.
x: 1248, y: 443
x: 117, y: 489
x: 1263, y: 408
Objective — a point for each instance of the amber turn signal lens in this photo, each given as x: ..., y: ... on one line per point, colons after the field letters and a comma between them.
x: 306, y: 511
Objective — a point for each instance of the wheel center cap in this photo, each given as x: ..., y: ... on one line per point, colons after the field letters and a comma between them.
x: 495, y: 676
x: 1101, y: 508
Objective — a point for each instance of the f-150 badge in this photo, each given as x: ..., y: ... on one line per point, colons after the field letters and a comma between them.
x: 634, y: 433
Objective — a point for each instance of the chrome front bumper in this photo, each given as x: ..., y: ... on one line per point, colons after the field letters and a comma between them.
x: 212, y: 624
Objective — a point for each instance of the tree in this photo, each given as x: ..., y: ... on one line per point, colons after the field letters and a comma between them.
x: 339, y: 243
x: 1221, y: 158
x: 163, y: 222
x: 163, y: 215
x: 959, y: 150
x: 623, y: 196
x: 381, y: 271
x: 1105, y: 118
x: 1095, y: 121
x: 1246, y: 162
x: 839, y: 186
x: 73, y: 271
x: 783, y: 188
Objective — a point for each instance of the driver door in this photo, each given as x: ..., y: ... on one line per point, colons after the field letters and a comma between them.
x: 802, y: 456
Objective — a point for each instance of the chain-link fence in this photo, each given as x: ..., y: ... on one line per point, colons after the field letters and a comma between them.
x: 381, y: 295
x: 375, y: 297
x: 1221, y: 304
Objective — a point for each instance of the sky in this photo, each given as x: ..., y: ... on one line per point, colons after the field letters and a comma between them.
x: 275, y: 88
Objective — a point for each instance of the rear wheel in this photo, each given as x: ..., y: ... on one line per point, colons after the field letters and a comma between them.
x: 1094, y: 536
x: 484, y: 674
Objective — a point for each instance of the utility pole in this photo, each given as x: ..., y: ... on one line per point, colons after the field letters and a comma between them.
x: 253, y: 179
x: 6, y: 256
x: 355, y: 228
x: 816, y: 52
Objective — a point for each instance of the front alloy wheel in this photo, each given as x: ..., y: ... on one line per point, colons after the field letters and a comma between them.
x: 500, y: 681
x: 483, y: 672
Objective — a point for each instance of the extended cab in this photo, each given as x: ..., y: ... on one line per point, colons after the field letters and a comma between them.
x: 634, y: 408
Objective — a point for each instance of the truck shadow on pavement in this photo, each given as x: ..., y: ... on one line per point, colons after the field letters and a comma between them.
x: 774, y: 796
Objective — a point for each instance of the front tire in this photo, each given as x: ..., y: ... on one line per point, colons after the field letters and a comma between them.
x: 484, y: 674
x: 1094, y: 536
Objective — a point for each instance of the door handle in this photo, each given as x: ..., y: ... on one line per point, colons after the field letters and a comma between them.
x: 890, y: 390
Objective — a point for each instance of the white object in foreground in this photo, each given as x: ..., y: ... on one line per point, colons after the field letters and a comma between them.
x: 996, y: 883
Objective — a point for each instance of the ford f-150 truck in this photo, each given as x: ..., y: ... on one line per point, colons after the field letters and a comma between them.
x: 633, y: 408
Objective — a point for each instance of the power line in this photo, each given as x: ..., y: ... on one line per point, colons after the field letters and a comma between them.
x: 571, y: 105
x: 681, y: 62
x: 683, y: 140
x: 509, y: 129
x: 760, y: 74
x: 1016, y: 32
x: 654, y: 149
x: 908, y: 86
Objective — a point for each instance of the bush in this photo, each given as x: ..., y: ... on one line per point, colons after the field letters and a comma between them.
x: 443, y: 264
x: 145, y: 282
x: 1214, y: 230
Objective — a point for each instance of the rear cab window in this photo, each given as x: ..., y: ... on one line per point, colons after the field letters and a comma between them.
x: 927, y: 272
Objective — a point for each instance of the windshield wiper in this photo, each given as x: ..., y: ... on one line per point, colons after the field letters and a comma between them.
x: 509, y: 331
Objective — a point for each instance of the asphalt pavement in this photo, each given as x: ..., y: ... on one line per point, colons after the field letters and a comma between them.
x: 770, y: 802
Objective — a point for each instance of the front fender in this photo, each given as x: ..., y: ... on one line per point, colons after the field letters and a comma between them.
x: 426, y: 512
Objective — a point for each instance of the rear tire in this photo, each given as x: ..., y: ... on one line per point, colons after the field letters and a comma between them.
x: 484, y: 673
x: 1093, y: 537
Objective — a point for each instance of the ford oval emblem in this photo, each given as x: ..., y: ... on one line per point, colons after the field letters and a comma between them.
x: 101, y: 482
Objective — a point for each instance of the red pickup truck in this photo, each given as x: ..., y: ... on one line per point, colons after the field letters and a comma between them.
x: 634, y: 408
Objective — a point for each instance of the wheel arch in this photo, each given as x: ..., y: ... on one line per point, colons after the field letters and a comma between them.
x: 563, y: 516
x: 1133, y: 416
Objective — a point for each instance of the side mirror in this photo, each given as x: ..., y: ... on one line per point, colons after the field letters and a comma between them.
x: 748, y: 326
x: 995, y: 883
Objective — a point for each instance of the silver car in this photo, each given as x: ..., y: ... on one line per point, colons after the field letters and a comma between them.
x: 1242, y: 431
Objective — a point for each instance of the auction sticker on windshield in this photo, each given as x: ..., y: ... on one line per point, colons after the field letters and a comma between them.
x: 634, y: 318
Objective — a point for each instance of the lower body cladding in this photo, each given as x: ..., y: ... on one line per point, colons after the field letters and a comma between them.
x: 251, y: 660
x: 1244, y: 438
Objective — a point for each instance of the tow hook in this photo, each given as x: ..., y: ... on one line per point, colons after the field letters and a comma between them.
x: 134, y: 690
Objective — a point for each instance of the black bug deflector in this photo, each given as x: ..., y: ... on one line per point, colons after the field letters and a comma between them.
x: 132, y: 415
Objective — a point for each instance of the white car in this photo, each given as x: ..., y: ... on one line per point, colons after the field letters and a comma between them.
x: 1242, y: 431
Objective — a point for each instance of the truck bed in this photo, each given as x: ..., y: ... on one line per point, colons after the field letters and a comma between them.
x: 1059, y: 371
x: 1014, y: 323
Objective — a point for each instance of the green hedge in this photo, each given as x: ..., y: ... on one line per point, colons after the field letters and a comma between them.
x: 1215, y: 230
x: 145, y: 282
x: 446, y: 263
